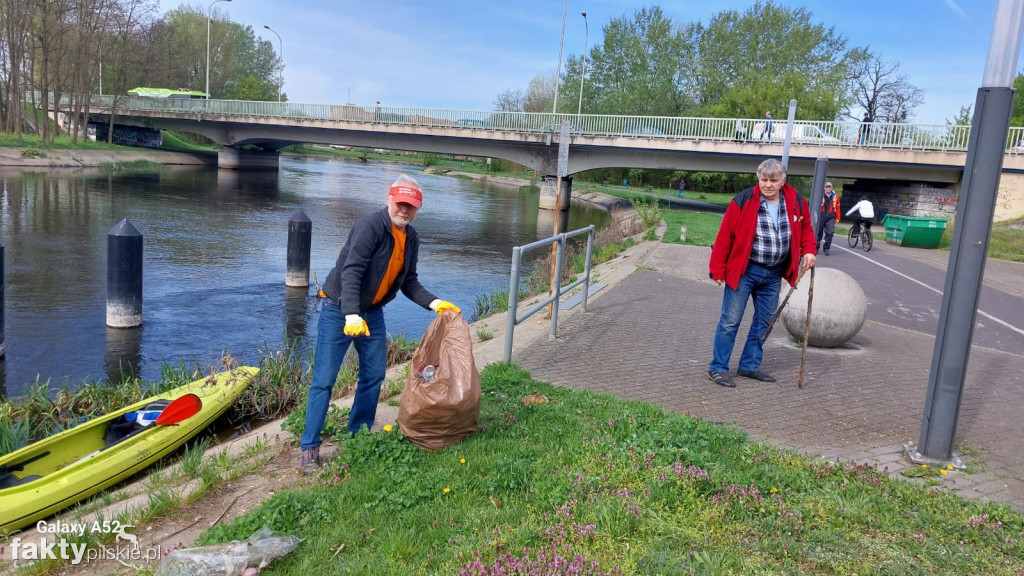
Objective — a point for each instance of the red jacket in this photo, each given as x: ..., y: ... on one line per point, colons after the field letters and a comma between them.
x: 731, y: 250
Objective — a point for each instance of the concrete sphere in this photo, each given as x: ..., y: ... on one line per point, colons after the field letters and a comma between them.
x: 837, y: 310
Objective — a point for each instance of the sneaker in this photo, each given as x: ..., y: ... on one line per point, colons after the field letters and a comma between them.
x: 310, y: 460
x: 757, y: 375
x: 826, y: 251
x: 721, y: 378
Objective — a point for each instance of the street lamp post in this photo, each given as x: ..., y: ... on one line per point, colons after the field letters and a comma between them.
x: 583, y: 74
x: 558, y: 74
x: 208, y: 13
x: 280, y: 62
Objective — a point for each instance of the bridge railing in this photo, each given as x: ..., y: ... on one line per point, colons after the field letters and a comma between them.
x: 943, y: 137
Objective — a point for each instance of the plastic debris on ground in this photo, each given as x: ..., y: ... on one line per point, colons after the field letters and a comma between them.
x: 229, y: 559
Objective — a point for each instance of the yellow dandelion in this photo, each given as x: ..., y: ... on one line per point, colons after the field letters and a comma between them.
x: 943, y: 472
x: 924, y: 465
x: 388, y: 427
x: 949, y: 466
x: 462, y: 460
x: 773, y: 490
x: 447, y: 489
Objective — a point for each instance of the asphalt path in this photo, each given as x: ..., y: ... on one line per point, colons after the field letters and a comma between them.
x: 906, y: 291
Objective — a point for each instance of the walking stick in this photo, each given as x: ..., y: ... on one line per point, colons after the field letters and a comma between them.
x: 807, y: 332
x: 778, y: 312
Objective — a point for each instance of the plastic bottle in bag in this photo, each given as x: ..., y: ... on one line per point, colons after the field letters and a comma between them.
x: 428, y: 373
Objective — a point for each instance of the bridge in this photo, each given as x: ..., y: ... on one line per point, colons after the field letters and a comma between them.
x: 923, y: 163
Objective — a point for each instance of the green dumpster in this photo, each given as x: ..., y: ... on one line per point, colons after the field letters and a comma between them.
x: 913, y: 231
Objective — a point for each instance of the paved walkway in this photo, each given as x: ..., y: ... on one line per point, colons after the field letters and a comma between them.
x: 648, y: 336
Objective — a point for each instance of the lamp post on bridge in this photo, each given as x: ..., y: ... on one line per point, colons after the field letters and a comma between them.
x: 558, y: 74
x: 280, y: 62
x: 583, y: 74
x: 209, y: 11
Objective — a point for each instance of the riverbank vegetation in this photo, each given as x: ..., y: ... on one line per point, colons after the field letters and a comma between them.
x: 130, y: 167
x: 278, y: 389
x: 589, y: 484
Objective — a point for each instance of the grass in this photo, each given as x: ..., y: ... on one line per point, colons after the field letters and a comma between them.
x: 701, y: 227
x: 598, y: 485
x: 31, y: 141
x: 1005, y: 243
x: 129, y: 167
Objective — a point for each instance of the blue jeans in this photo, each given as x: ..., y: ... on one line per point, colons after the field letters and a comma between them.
x: 331, y: 346
x: 762, y: 285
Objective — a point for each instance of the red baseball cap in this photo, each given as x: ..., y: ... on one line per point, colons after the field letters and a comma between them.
x: 406, y: 193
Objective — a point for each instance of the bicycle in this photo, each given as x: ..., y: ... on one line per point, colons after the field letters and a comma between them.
x: 865, y: 237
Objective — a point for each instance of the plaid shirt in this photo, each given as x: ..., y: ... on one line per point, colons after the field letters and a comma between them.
x: 771, y: 242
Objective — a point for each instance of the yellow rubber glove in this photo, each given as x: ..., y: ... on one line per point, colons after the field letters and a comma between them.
x: 440, y: 306
x: 356, y: 326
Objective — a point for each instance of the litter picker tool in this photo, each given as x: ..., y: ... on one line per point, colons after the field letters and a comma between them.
x: 771, y: 323
x: 807, y: 332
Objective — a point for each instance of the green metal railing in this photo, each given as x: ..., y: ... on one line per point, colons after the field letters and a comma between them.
x: 934, y: 137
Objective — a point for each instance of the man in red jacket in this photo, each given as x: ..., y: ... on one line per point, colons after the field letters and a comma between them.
x: 766, y: 235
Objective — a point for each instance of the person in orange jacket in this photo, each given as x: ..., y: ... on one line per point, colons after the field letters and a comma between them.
x: 828, y: 216
x: 378, y: 260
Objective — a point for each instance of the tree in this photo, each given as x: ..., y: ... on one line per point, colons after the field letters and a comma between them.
x: 880, y: 90
x: 637, y: 69
x: 757, y: 61
x: 510, y: 100
x: 540, y: 95
x: 1017, y: 115
x: 963, y: 117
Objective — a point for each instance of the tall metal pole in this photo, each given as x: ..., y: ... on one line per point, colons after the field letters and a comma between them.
x: 818, y: 192
x: 558, y: 74
x: 280, y: 62
x: 788, y: 138
x: 583, y: 74
x: 974, y: 212
x: 209, y: 11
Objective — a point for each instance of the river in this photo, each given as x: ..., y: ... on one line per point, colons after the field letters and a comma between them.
x: 214, y: 260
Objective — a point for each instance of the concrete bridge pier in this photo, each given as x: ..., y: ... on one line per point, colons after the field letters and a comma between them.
x: 241, y: 159
x: 550, y: 199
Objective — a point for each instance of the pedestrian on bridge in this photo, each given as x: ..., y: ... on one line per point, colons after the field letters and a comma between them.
x: 765, y: 237
x: 865, y: 129
x: 767, y: 128
x: 828, y: 217
x: 378, y: 259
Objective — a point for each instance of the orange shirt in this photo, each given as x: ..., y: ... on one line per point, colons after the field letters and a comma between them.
x: 395, y: 264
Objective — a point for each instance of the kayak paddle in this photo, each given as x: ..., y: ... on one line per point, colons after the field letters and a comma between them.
x: 180, y: 409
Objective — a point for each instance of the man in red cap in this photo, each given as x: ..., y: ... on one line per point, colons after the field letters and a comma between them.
x: 377, y: 260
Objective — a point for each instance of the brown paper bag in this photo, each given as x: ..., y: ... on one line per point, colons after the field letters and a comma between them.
x: 445, y: 410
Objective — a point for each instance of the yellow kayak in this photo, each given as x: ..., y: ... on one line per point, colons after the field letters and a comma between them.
x: 54, y: 473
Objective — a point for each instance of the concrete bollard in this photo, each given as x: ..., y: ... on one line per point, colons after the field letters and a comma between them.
x: 124, y: 276
x: 300, y: 234
x: 3, y: 347
x: 682, y: 233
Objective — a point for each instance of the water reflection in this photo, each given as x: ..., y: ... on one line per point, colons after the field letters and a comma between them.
x: 124, y: 353
x: 215, y: 253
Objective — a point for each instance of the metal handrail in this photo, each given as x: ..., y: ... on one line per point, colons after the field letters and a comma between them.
x: 557, y: 290
x: 930, y: 137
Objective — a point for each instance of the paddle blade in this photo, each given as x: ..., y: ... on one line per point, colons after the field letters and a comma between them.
x: 180, y: 409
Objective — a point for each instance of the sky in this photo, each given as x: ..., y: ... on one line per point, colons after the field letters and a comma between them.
x: 460, y: 54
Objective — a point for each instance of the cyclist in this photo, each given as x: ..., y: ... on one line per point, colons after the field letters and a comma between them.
x: 865, y: 213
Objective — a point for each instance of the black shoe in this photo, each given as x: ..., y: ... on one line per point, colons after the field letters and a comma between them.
x: 826, y: 251
x: 757, y: 375
x: 310, y: 460
x: 722, y: 379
